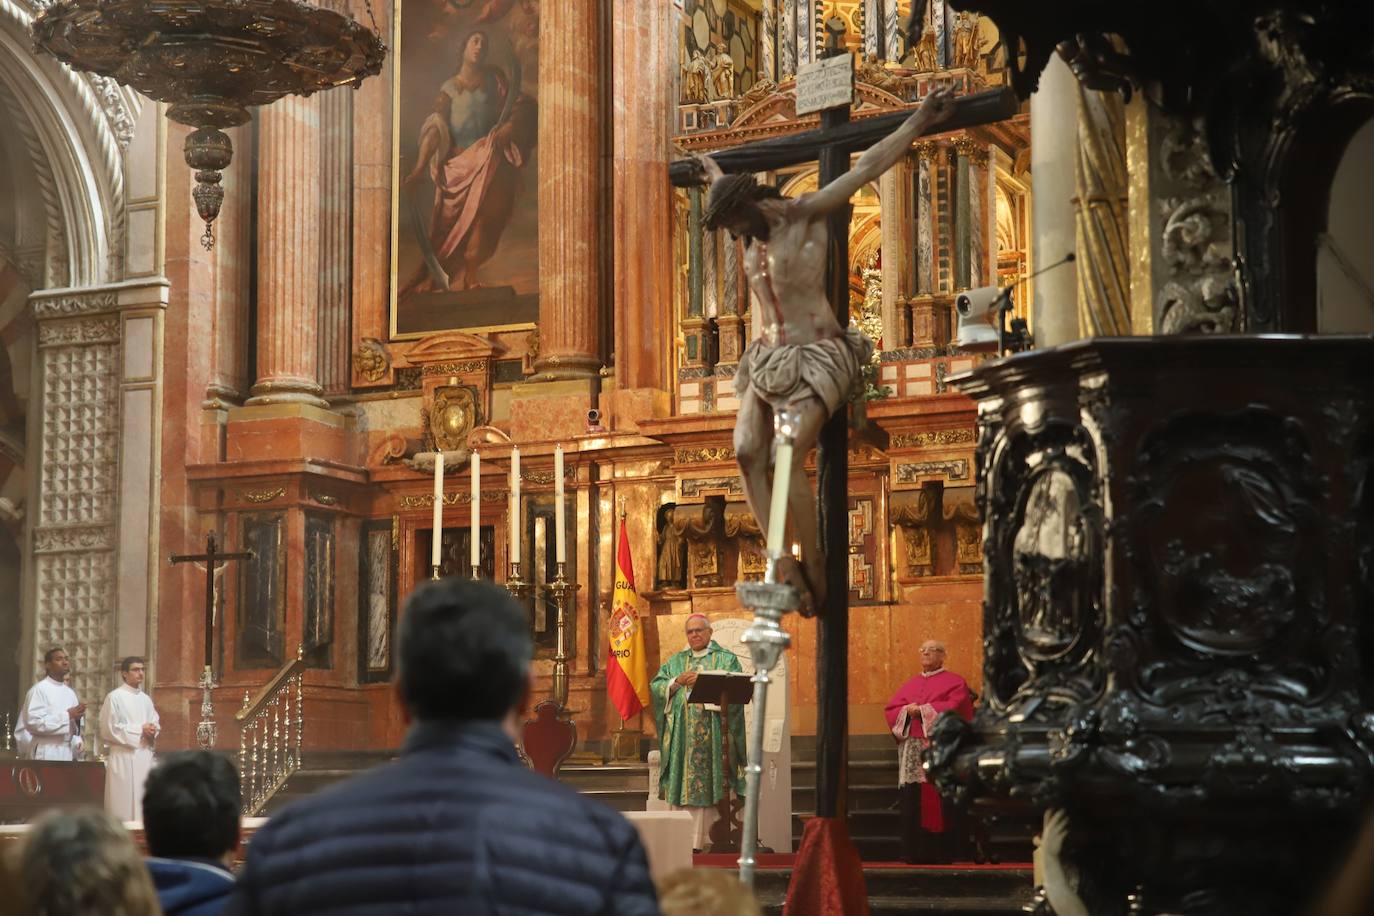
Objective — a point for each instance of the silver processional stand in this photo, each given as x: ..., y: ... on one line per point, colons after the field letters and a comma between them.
x: 766, y: 639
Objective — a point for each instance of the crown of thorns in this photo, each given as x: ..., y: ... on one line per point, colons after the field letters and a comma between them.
x: 732, y: 191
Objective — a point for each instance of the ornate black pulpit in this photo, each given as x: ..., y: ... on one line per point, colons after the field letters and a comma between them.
x: 1179, y: 615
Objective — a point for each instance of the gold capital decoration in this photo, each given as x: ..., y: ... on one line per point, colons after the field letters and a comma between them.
x: 259, y: 497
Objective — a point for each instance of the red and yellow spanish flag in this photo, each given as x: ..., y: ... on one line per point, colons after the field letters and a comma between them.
x: 627, y: 677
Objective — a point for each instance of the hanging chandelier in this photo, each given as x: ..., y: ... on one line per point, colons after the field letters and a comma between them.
x: 210, y: 60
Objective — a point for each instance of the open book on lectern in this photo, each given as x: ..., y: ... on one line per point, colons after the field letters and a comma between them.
x: 713, y: 687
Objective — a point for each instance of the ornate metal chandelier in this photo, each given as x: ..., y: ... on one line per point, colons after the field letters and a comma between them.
x: 210, y: 60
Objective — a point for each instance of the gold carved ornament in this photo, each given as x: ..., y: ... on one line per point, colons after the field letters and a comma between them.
x: 259, y: 497
x: 451, y: 418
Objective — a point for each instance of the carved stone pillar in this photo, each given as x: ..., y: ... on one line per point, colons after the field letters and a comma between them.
x: 897, y: 195
x: 1104, y: 279
x: 1054, y: 141
x: 787, y: 35
x: 570, y: 197
x: 930, y: 318
x: 1191, y: 238
x: 288, y: 253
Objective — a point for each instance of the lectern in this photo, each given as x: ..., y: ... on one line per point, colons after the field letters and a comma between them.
x: 723, y: 689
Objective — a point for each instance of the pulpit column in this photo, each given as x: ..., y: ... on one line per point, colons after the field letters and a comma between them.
x: 570, y: 130
x: 288, y: 253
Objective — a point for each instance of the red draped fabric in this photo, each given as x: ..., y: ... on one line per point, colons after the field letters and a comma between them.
x: 828, y: 878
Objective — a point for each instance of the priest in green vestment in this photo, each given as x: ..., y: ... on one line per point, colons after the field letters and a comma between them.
x: 691, y: 777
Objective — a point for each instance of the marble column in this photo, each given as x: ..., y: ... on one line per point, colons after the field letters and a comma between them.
x: 1104, y: 284
x: 730, y: 326
x: 370, y: 277
x: 288, y: 253
x: 1054, y: 153
x: 570, y: 199
x: 897, y: 194
x: 336, y: 191
x: 873, y: 27
x: 787, y: 40
x: 645, y: 39
x: 228, y: 375
x: 769, y: 44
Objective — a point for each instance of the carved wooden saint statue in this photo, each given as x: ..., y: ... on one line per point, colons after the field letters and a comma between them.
x: 803, y: 361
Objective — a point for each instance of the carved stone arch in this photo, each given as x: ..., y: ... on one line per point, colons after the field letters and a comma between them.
x: 67, y: 130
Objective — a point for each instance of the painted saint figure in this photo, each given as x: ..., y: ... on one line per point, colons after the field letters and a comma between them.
x: 802, y: 360
x: 472, y: 146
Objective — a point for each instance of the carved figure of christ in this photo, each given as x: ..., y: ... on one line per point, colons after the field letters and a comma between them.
x: 805, y: 361
x: 826, y: 244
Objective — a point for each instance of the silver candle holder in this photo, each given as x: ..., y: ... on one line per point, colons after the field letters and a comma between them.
x: 767, y: 640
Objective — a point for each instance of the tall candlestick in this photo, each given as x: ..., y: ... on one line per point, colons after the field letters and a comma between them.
x: 560, y: 532
x: 475, y: 518
x: 784, y: 427
x: 777, y: 509
x: 515, y: 505
x: 438, y: 538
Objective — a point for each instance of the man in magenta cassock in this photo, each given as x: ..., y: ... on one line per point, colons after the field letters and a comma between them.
x: 911, y: 713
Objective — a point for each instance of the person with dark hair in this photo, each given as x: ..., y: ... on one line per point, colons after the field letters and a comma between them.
x: 128, y: 725
x: 457, y: 824
x: 191, y: 821
x: 52, y: 715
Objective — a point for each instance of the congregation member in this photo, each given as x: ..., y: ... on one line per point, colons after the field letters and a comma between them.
x: 692, y: 778
x: 928, y: 834
x: 129, y: 726
x: 191, y: 822
x: 698, y: 891
x: 79, y: 863
x: 457, y: 824
x: 52, y: 716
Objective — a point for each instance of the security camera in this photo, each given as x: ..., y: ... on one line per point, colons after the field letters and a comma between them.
x: 594, y: 421
x: 979, y: 313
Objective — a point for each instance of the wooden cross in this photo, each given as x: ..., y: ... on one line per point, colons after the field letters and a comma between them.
x: 832, y: 145
x: 211, y: 558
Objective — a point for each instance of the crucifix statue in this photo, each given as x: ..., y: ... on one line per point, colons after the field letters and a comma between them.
x: 205, y: 731
x: 808, y: 360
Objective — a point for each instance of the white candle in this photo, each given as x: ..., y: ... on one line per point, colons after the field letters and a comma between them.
x: 438, y: 509
x: 559, y: 530
x: 515, y: 505
x: 777, y: 509
x: 475, y: 519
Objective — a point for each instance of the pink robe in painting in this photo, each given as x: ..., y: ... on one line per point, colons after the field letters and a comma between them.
x: 936, y: 693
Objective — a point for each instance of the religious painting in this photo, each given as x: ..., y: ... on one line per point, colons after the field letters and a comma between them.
x: 261, y: 620
x: 377, y: 585
x: 319, y: 589
x: 465, y: 168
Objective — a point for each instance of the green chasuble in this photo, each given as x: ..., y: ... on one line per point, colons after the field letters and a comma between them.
x: 689, y: 736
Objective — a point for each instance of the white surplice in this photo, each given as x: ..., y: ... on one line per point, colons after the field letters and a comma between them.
x: 130, y: 755
x: 44, y: 717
